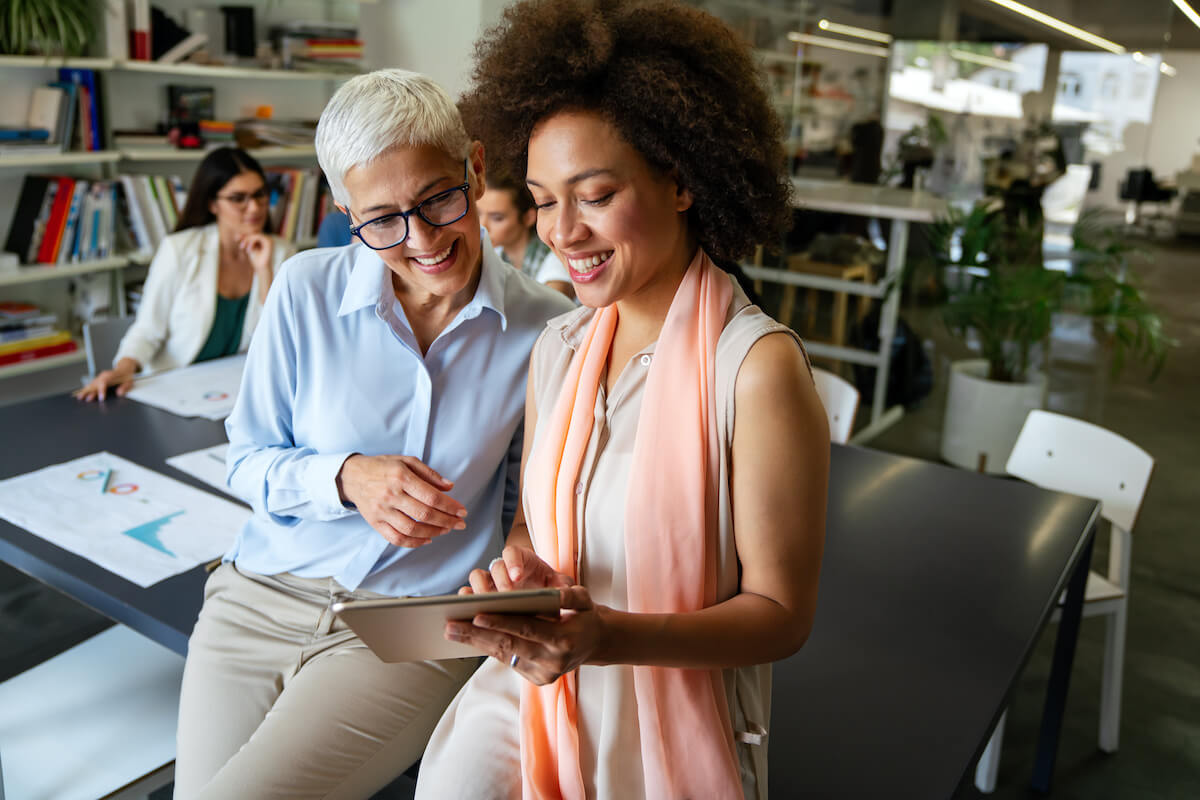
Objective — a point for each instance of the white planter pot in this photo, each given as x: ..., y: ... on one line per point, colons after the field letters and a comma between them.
x: 984, y: 417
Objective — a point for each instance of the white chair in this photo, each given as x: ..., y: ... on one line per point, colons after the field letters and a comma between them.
x: 1068, y: 455
x: 840, y: 399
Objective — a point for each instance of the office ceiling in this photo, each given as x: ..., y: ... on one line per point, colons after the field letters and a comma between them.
x: 1150, y: 25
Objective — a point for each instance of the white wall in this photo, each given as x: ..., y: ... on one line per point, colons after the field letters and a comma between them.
x: 436, y: 37
x: 1167, y: 145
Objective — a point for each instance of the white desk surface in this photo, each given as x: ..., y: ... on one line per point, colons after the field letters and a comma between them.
x: 864, y: 200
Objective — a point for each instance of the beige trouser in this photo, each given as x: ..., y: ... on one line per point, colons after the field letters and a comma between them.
x: 281, y: 700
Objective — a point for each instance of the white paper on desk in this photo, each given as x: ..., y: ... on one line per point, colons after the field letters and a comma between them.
x: 207, y: 465
x: 145, y: 528
x: 208, y: 389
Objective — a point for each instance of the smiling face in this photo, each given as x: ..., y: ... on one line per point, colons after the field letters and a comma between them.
x: 506, y: 226
x: 438, y: 261
x: 619, y: 225
x: 237, y: 210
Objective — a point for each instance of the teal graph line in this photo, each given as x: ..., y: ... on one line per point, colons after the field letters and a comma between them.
x: 148, y: 533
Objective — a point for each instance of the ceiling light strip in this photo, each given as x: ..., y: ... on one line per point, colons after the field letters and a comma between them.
x: 987, y: 61
x: 1188, y: 11
x: 838, y: 44
x: 850, y: 30
x: 1067, y: 28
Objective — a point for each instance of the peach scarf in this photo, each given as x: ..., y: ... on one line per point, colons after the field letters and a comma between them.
x: 670, y: 548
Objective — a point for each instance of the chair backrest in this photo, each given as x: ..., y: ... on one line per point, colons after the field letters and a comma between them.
x: 840, y: 399
x: 101, y: 340
x: 1069, y: 455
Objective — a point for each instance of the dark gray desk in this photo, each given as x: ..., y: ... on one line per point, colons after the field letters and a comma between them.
x: 935, y: 586
x: 39, y: 433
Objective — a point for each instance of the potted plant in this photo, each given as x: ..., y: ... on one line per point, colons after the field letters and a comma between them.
x: 46, y: 27
x: 999, y: 296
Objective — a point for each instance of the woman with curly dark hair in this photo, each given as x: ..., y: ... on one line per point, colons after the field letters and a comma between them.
x: 686, y: 547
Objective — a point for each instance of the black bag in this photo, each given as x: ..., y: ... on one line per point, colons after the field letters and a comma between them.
x: 910, y: 375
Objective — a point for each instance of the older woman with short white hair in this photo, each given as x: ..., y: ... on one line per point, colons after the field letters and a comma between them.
x: 377, y: 436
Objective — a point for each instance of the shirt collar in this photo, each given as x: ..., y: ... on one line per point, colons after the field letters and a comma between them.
x: 370, y: 283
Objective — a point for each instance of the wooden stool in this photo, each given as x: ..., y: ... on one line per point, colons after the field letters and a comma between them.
x: 845, y: 272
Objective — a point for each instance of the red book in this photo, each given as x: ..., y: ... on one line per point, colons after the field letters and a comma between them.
x: 38, y: 352
x: 85, y: 116
x: 48, y: 251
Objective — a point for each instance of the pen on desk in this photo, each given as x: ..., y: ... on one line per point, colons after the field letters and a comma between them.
x: 104, y: 482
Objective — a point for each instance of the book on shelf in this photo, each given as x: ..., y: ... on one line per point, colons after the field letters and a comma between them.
x: 297, y: 201
x: 62, y: 220
x: 35, y: 353
x: 116, y: 29
x: 139, y: 30
x: 49, y: 340
x: 185, y: 48
x: 45, y: 105
x: 8, y: 336
x: 91, y: 115
x: 189, y: 104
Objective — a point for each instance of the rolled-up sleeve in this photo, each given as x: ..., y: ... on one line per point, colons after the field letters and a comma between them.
x: 265, y: 466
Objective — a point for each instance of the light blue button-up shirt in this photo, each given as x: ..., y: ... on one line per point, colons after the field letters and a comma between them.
x: 334, y: 369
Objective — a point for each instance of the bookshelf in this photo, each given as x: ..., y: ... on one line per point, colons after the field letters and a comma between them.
x: 172, y: 154
x: 130, y: 93
x: 41, y: 364
x: 33, y: 273
x: 60, y: 159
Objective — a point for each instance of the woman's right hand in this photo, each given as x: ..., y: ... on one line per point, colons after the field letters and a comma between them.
x: 120, y: 376
x: 518, y: 567
x: 403, y: 499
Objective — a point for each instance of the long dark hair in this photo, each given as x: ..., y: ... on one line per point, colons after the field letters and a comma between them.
x: 217, y: 169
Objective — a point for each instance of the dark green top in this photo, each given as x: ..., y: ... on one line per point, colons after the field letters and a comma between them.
x: 226, y: 334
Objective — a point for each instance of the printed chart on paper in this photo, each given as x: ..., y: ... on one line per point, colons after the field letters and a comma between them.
x: 130, y: 520
x: 207, y: 465
x: 208, y: 389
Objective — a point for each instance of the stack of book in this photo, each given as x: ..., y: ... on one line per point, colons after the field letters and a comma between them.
x: 63, y: 115
x: 27, y: 333
x: 150, y: 207
x: 300, y: 199
x: 62, y: 220
x: 319, y: 46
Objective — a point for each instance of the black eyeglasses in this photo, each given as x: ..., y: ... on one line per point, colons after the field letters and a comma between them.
x: 240, y: 199
x: 444, y: 208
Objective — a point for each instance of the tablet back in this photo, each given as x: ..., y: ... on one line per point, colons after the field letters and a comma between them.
x: 412, y: 628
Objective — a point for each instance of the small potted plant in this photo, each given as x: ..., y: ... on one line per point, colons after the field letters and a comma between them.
x: 999, y: 296
x: 46, y: 27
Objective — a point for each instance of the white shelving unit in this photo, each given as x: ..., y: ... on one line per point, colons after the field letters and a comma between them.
x: 60, y: 159
x: 108, y: 162
x: 32, y: 273
x: 173, y: 154
x: 49, y: 362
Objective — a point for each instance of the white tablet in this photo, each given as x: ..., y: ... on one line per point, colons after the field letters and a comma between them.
x: 413, y: 628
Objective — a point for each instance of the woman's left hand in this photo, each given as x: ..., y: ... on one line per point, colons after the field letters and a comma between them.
x: 259, y: 248
x: 545, y: 649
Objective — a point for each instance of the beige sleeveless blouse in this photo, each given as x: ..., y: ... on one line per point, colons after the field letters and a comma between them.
x: 608, y: 715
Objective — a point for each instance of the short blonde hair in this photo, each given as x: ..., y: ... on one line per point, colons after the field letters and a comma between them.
x: 373, y: 113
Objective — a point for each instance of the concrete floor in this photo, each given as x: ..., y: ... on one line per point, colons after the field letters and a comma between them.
x: 1160, y: 733
x: 1160, y: 745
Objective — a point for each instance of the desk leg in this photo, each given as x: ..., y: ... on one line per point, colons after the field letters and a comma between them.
x: 889, y: 313
x: 1060, y: 671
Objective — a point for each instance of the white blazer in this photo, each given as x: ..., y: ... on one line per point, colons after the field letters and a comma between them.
x: 179, y: 300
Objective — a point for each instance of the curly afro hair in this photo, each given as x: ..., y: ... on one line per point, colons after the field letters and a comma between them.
x: 679, y: 86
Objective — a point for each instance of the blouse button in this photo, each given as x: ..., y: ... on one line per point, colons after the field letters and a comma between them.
x: 645, y: 361
x: 579, y: 488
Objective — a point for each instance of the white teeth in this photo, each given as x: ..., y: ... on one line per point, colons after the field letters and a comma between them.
x: 586, y: 263
x: 434, y: 259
